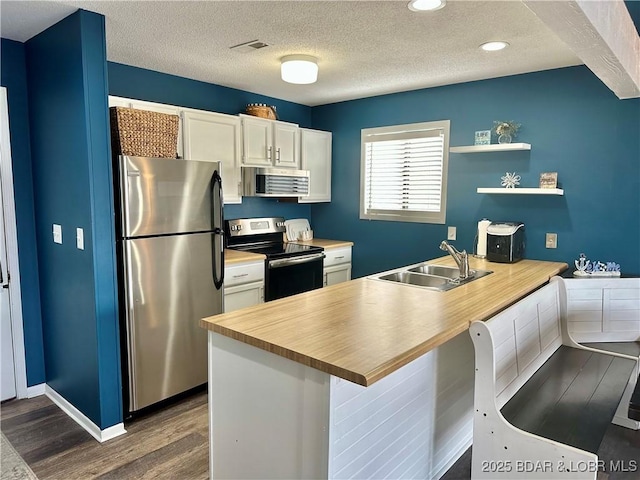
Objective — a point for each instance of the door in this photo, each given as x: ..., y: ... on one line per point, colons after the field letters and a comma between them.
x: 286, y: 139
x: 166, y: 195
x: 170, y: 285
x: 257, y: 142
x: 216, y: 137
x: 13, y: 378
x: 241, y: 296
x: 8, y: 387
x: 315, y: 156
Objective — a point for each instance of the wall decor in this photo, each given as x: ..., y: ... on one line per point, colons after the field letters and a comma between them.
x: 506, y: 130
x: 483, y: 137
x: 549, y: 180
x: 510, y: 180
x: 587, y: 268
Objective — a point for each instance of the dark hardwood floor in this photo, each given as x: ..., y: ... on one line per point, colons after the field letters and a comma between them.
x: 172, y: 444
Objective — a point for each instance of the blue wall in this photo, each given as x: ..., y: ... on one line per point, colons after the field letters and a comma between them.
x: 72, y: 185
x: 576, y: 126
x: 141, y: 84
x: 14, y: 78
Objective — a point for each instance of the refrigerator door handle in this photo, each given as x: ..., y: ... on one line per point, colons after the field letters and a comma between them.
x: 217, y: 202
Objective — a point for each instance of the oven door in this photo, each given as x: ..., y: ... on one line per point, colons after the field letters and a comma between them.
x: 289, y: 276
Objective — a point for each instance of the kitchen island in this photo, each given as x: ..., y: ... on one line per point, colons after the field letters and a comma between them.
x: 279, y: 403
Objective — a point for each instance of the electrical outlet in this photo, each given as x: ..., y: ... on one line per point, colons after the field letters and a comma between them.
x: 451, y: 233
x: 551, y: 240
x: 57, y: 233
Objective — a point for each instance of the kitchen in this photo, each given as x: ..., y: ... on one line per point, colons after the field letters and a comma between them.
x: 575, y: 126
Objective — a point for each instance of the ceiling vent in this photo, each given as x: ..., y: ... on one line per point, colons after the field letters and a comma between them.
x: 251, y: 46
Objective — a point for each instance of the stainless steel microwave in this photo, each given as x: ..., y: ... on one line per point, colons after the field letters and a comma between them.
x: 275, y: 182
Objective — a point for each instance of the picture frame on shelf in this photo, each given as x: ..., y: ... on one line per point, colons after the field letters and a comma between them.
x: 483, y: 137
x: 549, y: 180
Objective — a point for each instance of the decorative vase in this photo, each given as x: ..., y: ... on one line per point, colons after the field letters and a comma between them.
x: 504, y: 138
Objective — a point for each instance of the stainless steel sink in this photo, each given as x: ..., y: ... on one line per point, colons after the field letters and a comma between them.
x: 439, y: 270
x: 432, y: 277
x: 416, y: 279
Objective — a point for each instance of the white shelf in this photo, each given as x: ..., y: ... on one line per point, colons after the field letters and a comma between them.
x: 494, y: 147
x: 523, y: 191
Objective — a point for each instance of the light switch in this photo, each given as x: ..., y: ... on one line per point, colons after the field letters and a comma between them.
x: 57, y: 233
x: 451, y: 233
x: 551, y: 240
x: 80, y: 238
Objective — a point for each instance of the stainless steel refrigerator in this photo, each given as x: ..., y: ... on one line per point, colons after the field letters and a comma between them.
x: 172, y: 265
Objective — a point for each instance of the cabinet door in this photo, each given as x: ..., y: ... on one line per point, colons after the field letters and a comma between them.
x: 337, y: 274
x: 315, y: 156
x: 241, y: 296
x: 257, y: 141
x: 286, y: 140
x: 216, y: 137
x: 169, y: 109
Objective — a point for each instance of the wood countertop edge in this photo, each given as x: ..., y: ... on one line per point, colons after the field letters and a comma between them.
x: 289, y: 354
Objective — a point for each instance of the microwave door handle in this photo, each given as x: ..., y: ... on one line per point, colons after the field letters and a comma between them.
x: 216, y: 203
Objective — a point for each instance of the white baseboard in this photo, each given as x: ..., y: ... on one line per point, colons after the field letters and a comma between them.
x: 82, y: 420
x: 35, y: 390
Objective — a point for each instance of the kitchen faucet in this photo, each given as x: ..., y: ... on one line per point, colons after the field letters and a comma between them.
x: 461, y: 258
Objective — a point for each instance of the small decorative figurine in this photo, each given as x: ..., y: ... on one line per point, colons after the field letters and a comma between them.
x: 506, y: 130
x: 587, y: 268
x: 510, y: 180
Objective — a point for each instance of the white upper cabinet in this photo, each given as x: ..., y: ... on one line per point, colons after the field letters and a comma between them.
x: 257, y: 135
x: 286, y: 144
x: 315, y: 156
x: 270, y: 143
x: 204, y: 136
x: 216, y: 137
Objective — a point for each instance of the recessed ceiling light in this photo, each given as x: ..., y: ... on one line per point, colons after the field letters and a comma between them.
x: 426, y: 5
x: 493, y: 46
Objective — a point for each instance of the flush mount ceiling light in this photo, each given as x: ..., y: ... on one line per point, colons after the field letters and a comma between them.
x: 426, y: 5
x: 300, y: 69
x: 493, y: 46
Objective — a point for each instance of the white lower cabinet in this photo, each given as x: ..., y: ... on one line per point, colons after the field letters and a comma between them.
x: 243, y: 285
x: 337, y: 266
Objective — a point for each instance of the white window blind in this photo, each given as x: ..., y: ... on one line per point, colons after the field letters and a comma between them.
x: 404, y: 171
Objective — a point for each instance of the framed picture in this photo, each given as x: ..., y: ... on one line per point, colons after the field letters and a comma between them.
x: 483, y: 137
x: 549, y: 180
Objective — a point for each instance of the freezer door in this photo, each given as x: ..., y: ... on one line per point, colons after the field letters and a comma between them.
x: 169, y: 288
x: 166, y: 195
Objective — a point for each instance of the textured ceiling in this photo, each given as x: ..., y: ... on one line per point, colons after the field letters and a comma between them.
x: 364, y: 48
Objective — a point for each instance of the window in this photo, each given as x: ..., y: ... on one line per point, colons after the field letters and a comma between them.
x: 403, y: 174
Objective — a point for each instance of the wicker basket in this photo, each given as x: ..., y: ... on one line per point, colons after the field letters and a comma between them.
x: 262, y: 110
x: 142, y: 133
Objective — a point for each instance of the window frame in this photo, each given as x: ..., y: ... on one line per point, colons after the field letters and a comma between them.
x: 408, y: 216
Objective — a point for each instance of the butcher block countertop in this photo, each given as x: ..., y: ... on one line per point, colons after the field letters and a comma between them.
x: 326, y: 244
x: 232, y: 256
x: 365, y: 329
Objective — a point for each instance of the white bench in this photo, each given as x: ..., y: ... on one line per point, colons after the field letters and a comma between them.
x: 542, y: 402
